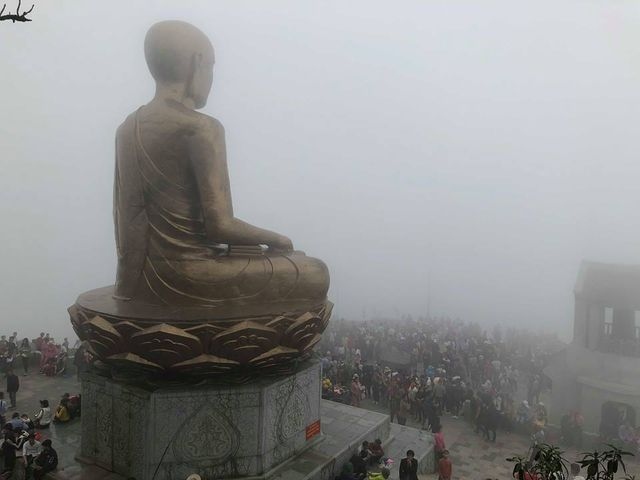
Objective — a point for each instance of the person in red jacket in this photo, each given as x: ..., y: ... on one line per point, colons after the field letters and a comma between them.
x: 445, y: 467
x: 438, y: 438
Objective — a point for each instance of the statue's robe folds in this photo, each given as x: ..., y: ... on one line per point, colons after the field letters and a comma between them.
x: 164, y: 254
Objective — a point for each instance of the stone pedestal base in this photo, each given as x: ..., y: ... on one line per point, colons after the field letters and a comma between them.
x: 216, y: 431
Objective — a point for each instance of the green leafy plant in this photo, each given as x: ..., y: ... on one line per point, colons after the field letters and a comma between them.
x: 549, y: 463
x: 605, y: 465
x: 520, y: 467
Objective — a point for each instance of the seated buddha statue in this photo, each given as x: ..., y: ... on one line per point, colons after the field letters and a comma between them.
x: 178, y: 240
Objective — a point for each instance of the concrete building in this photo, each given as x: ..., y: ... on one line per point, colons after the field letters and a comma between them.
x: 598, y: 374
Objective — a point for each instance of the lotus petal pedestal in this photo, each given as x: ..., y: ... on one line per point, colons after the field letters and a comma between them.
x: 180, y: 342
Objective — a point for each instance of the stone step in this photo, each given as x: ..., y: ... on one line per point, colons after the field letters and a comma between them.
x: 409, y: 438
x: 83, y: 472
x: 344, y: 428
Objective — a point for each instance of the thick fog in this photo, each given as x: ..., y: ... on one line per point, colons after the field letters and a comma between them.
x: 450, y: 158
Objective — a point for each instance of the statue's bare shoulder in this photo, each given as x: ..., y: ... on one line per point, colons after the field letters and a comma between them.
x: 174, y: 118
x: 206, y: 125
x: 191, y: 121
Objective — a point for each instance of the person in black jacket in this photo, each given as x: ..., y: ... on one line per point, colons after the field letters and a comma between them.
x: 13, y: 384
x: 359, y: 462
x: 46, y: 462
x: 9, y: 447
x: 409, y: 467
x: 491, y: 421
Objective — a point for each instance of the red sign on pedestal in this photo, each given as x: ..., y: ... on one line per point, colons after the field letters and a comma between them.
x: 312, y: 430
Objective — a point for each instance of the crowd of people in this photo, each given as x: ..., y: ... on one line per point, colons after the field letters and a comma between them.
x: 38, y: 458
x: 423, y: 369
x: 419, y: 370
x: 372, y: 454
x: 44, y: 353
x: 24, y: 444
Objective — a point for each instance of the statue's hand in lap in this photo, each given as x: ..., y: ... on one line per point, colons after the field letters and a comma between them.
x: 281, y: 245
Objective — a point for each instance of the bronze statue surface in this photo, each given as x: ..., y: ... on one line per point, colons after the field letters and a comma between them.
x: 185, y: 262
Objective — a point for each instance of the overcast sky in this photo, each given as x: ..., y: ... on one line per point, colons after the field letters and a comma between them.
x: 460, y: 157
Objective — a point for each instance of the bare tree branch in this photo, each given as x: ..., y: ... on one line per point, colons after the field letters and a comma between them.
x: 16, y: 17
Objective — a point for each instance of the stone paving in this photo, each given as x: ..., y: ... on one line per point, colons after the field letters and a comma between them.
x: 473, y: 457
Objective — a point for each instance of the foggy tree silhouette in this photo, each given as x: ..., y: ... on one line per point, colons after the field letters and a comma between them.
x: 15, y: 17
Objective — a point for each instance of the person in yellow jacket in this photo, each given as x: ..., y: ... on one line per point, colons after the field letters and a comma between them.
x: 383, y: 474
x: 62, y: 412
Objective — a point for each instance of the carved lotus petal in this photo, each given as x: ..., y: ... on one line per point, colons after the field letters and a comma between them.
x: 75, y: 316
x: 206, y: 332
x: 131, y: 361
x: 275, y: 356
x: 280, y: 323
x: 127, y: 329
x: 205, y: 329
x: 301, y: 332
x: 205, y: 364
x: 103, y: 338
x: 165, y: 345
x: 325, y: 314
x: 313, y: 341
x: 244, y: 341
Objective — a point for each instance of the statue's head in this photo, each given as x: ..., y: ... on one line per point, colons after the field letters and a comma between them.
x: 180, y: 55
